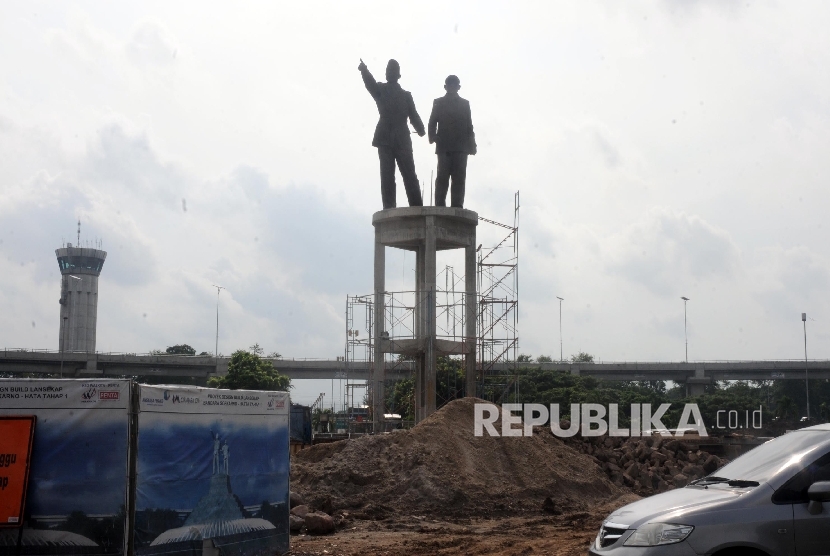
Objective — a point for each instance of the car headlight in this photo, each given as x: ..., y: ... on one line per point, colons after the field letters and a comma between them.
x: 653, y: 534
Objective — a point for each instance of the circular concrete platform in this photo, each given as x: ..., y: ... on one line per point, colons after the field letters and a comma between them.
x: 406, y: 227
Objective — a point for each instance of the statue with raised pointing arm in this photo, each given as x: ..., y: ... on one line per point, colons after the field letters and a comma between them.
x: 392, y: 135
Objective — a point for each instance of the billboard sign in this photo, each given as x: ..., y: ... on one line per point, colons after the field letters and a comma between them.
x: 77, y: 495
x: 16, y: 433
x: 212, y: 471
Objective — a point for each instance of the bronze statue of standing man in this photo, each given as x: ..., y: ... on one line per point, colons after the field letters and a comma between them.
x: 451, y: 129
x: 392, y: 135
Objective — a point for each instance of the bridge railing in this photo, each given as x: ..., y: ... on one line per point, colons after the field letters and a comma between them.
x: 150, y: 354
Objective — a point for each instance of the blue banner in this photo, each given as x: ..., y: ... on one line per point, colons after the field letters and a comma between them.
x: 77, y: 497
x: 212, y: 471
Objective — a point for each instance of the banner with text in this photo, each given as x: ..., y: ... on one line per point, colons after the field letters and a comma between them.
x: 16, y: 433
x: 78, y: 491
x: 212, y: 470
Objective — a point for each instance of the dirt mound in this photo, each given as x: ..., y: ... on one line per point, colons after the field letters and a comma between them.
x: 440, y: 466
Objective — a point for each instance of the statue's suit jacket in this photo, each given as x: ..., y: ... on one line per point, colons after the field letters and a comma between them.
x: 450, y: 125
x: 394, y: 105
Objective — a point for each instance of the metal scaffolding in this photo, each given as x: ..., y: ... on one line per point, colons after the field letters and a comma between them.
x: 498, y: 312
x: 359, y: 352
x: 497, y: 318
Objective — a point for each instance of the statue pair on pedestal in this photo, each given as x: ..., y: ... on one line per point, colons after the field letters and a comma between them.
x: 220, y: 468
x: 450, y: 127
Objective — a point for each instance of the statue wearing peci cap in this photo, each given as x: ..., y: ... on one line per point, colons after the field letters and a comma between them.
x: 392, y: 135
x: 450, y: 127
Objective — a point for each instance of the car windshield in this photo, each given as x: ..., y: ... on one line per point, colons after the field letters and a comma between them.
x: 768, y: 459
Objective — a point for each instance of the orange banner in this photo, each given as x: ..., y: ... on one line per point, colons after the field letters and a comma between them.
x: 16, y: 434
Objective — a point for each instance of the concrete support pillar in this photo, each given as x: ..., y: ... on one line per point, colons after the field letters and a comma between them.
x: 420, y: 331
x: 696, y: 385
x: 694, y: 390
x: 378, y: 379
x: 470, y: 316
x: 430, y: 274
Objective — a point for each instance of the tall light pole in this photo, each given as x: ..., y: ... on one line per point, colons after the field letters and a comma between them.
x: 685, y: 334
x: 218, y: 289
x: 560, y: 327
x: 806, y: 378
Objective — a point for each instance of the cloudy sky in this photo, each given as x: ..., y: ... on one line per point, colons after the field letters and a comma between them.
x: 662, y: 149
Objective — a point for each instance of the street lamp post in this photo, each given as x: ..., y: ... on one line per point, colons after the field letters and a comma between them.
x: 806, y: 377
x: 685, y: 334
x: 560, y: 327
x: 216, y: 349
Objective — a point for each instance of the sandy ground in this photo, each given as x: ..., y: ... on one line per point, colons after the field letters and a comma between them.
x: 507, y: 536
x: 560, y: 535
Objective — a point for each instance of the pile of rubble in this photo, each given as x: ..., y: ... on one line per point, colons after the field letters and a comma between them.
x: 441, y: 467
x: 650, y: 464
x: 302, y: 518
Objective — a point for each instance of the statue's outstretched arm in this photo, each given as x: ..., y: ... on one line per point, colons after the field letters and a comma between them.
x: 368, y: 80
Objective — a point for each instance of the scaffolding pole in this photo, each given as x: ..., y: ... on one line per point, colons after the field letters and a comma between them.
x: 498, y: 313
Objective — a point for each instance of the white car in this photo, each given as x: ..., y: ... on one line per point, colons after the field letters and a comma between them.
x: 773, y: 501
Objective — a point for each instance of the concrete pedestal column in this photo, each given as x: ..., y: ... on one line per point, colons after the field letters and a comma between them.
x: 378, y: 378
x: 430, y: 273
x: 424, y: 230
x: 471, y: 318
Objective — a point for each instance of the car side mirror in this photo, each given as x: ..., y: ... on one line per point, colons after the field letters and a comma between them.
x: 817, y: 493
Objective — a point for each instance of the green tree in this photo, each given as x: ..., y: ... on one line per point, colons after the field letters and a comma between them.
x: 259, y: 350
x: 582, y: 357
x: 656, y: 385
x: 449, y: 377
x: 249, y: 371
x: 524, y: 358
x: 449, y: 385
x: 180, y: 349
x: 544, y: 359
x: 786, y: 407
x: 400, y: 398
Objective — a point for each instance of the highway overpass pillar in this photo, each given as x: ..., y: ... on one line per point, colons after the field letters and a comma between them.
x: 696, y: 385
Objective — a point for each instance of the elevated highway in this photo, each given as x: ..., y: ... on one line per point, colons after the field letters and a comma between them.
x: 695, y: 374
x: 81, y: 364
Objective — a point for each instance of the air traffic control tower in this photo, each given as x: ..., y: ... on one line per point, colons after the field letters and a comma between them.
x: 80, y: 268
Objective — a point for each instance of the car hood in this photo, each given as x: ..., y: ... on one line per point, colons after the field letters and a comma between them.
x: 672, y: 506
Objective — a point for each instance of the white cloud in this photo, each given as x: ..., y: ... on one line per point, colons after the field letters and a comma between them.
x: 661, y: 149
x: 667, y: 248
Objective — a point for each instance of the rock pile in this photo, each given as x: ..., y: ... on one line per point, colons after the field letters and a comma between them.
x: 648, y: 465
x: 301, y: 517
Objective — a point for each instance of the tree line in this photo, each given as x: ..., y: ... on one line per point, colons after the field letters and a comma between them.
x: 781, y: 402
